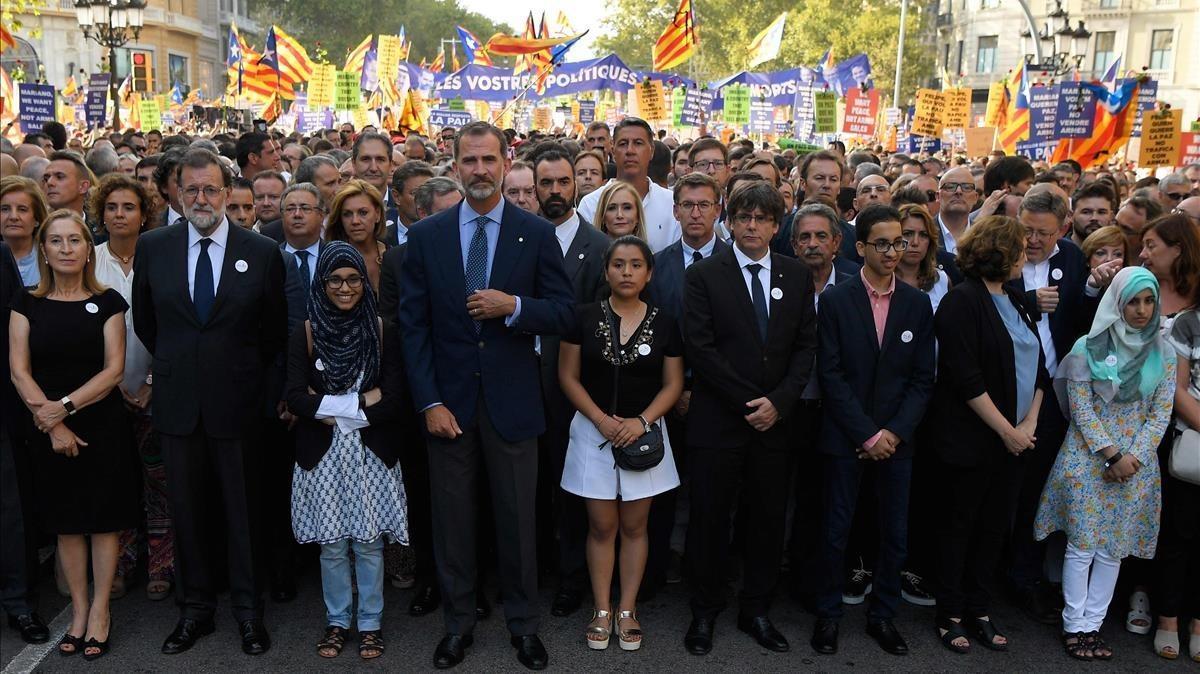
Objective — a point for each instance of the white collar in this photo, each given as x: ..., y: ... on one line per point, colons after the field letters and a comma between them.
x: 220, y: 235
x: 706, y: 250
x: 744, y: 259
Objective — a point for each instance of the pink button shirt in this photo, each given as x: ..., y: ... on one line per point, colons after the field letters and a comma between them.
x: 880, y: 303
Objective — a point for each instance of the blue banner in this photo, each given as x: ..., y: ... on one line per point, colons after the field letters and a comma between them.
x: 37, y: 106
x: 97, y: 99
x: 1043, y: 111
x: 803, y: 114
x: 1036, y: 149
x: 852, y: 72
x: 1076, y: 111
x: 919, y: 144
x: 1147, y: 95
x: 762, y: 117
x: 454, y: 119
x: 487, y: 83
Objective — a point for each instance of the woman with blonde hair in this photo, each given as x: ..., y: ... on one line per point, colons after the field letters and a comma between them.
x: 620, y: 212
x: 356, y: 217
x: 67, y: 341
x: 1105, y: 245
x: 918, y: 265
x: 22, y: 207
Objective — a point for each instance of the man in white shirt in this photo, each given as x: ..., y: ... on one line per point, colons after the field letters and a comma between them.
x: 303, y: 214
x: 957, y: 191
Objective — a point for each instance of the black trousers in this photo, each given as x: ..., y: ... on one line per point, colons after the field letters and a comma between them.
x: 661, y: 522
x: 1027, y: 553
x: 278, y: 463
x: 562, y: 523
x: 716, y: 473
x: 208, y: 477
x: 1176, y: 580
x: 18, y: 529
x: 511, y: 469
x: 804, y: 542
x: 414, y: 464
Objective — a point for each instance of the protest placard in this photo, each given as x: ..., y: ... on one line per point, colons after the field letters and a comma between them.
x: 650, y: 100
x: 762, y: 117
x: 390, y: 50
x: 996, y: 101
x: 458, y: 103
x: 931, y: 110
x: 1161, y: 138
x: 824, y: 112
x: 803, y: 113
x: 861, y: 109
x: 543, y: 118
x: 1076, y: 111
x: 1190, y: 150
x: 678, y: 101
x: 958, y: 108
x: 1043, y: 113
x: 37, y: 105
x: 97, y: 99
x: 920, y: 145
x: 321, y: 86
x: 587, y: 112
x: 980, y: 140
x: 1146, y: 96
x: 347, y: 95
x: 737, y: 104
x: 454, y: 119
x: 361, y: 117
x: 151, y: 114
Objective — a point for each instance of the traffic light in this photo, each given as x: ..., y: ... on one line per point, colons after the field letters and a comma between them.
x: 143, y: 70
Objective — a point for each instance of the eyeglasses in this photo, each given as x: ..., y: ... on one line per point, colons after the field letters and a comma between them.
x: 302, y: 208
x: 336, y: 282
x: 967, y: 188
x: 747, y: 218
x: 1176, y: 196
x: 1034, y: 235
x: 882, y: 246
x: 689, y: 206
x: 708, y: 164
x: 210, y: 192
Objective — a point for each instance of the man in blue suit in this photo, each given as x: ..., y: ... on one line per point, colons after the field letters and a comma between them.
x: 875, y: 361
x: 478, y: 282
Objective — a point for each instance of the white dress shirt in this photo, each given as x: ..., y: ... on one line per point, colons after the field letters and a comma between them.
x: 137, y: 358
x: 565, y: 233
x: 951, y: 246
x: 313, y: 251
x: 764, y: 274
x: 1037, y: 276
x: 705, y: 251
x: 662, y: 229
x: 172, y: 216
x: 216, y: 254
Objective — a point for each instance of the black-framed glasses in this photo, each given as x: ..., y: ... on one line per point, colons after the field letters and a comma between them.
x: 336, y: 282
x: 882, y: 246
x: 210, y: 193
x: 707, y: 164
x: 689, y: 206
x: 967, y: 188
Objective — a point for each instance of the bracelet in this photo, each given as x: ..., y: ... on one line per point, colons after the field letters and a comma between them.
x: 645, y: 424
x: 1112, y: 460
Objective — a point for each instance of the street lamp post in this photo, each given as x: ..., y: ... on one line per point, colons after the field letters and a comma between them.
x: 1066, y: 45
x: 111, y: 24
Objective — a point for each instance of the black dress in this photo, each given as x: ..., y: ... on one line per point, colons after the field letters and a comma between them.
x: 99, y: 490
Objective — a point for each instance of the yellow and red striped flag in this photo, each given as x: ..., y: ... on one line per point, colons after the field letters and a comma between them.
x: 511, y: 45
x: 295, y: 67
x: 439, y: 62
x: 357, y: 56
x: 6, y: 39
x: 524, y: 62
x: 678, y: 40
x: 1016, y: 127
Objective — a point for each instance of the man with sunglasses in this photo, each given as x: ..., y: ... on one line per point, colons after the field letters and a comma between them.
x: 1173, y: 189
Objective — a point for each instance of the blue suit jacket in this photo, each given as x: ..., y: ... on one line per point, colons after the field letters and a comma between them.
x: 866, y: 387
x: 667, y: 283
x: 447, y: 362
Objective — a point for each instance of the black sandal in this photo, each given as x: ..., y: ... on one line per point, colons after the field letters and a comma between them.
x: 983, y: 630
x: 68, y: 639
x: 371, y: 640
x: 1077, y: 645
x: 954, y: 630
x: 100, y: 646
x: 335, y: 638
x: 1100, y: 650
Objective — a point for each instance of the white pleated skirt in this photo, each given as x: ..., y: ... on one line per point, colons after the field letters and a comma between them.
x: 590, y: 471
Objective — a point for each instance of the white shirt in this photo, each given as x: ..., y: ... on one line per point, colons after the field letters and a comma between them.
x: 812, y: 390
x: 764, y: 274
x: 662, y: 229
x: 1037, y: 276
x: 951, y: 246
x: 216, y: 254
x: 705, y: 251
x: 172, y: 216
x: 137, y: 358
x: 401, y: 233
x: 565, y: 233
x: 313, y: 251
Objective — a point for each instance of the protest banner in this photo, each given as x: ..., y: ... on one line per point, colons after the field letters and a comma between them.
x: 958, y: 108
x: 1161, y: 138
x: 803, y: 113
x: 862, y: 107
x: 96, y: 107
x: 980, y: 140
x: 321, y: 86
x: 37, y: 106
x: 1190, y: 147
x: 762, y: 117
x: 696, y: 106
x: 1036, y: 150
x: 151, y: 114
x: 919, y: 145
x: 458, y: 104
x: 650, y: 100
x: 1147, y: 95
x: 1076, y: 111
x: 347, y: 95
x: 824, y: 112
x: 891, y: 117
x: 997, y: 94
x: 931, y: 110
x: 360, y: 117
x: 1043, y: 113
x: 737, y: 104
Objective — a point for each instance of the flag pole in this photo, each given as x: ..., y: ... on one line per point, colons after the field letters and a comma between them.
x: 900, y: 52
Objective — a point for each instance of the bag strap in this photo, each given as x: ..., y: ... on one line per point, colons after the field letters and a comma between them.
x: 308, y: 336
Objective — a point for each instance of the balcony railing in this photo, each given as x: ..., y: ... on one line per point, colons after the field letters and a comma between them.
x: 945, y: 19
x: 1107, y: 6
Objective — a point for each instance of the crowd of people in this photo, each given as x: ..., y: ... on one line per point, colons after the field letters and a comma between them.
x: 609, y: 361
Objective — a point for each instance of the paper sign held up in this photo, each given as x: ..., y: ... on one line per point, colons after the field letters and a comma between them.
x: 931, y: 110
x: 824, y: 112
x: 650, y: 100
x: 321, y: 86
x: 958, y: 108
x: 980, y: 140
x: 995, y: 104
x: 861, y: 111
x: 1161, y: 138
x: 737, y: 104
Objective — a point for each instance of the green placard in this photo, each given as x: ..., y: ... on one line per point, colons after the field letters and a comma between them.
x: 347, y: 95
x: 825, y: 112
x: 737, y: 104
x: 678, y: 96
x: 151, y: 115
x: 457, y: 103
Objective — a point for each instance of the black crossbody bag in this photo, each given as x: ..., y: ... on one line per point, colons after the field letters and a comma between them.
x: 648, y: 450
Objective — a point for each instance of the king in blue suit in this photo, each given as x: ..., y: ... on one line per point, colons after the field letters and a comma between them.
x: 478, y: 283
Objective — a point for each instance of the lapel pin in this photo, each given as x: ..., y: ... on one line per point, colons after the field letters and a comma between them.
x: 520, y: 239
x: 581, y: 256
x: 92, y: 308
x: 776, y: 293
x: 643, y: 349
x: 906, y: 336
x: 1111, y: 361
x: 319, y: 365
x: 1056, y: 274
x: 241, y: 265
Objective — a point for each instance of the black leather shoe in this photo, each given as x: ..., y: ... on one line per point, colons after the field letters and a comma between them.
x: 885, y: 634
x: 483, y: 610
x: 187, y: 632
x: 426, y: 600
x: 255, y: 640
x: 1037, y: 606
x: 451, y: 650
x: 825, y: 636
x: 283, y: 588
x: 699, y: 637
x: 33, y: 630
x: 565, y: 602
x: 530, y: 651
x: 764, y: 633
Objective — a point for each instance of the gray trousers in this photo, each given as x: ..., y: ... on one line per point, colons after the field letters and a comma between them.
x: 511, y: 469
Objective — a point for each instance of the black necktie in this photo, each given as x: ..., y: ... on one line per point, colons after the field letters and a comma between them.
x: 203, y: 287
x: 697, y: 256
x: 759, y: 298
x: 304, y: 270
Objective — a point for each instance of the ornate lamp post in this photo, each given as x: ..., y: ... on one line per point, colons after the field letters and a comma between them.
x: 111, y: 24
x: 1067, y: 45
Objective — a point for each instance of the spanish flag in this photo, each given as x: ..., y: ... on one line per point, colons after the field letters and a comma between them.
x: 678, y: 40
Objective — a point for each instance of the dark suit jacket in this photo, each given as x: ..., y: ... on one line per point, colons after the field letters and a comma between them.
x: 273, y: 230
x: 297, y: 313
x: 210, y: 375
x: 731, y: 364
x: 667, y: 282
x: 15, y: 412
x: 447, y: 361
x: 1075, y: 311
x: 386, y: 416
x: 392, y: 216
x: 866, y: 387
x: 975, y: 356
x: 949, y: 264
x: 389, y: 282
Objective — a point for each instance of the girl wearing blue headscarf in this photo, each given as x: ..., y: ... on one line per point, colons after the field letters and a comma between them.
x: 345, y: 387
x: 1104, y: 491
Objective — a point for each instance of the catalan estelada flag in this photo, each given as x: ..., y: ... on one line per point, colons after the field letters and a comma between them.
x: 247, y: 76
x: 6, y: 39
x: 358, y: 55
x: 678, y: 40
x: 511, y: 45
x: 284, y: 53
x: 1116, y: 111
x: 524, y: 61
x: 473, y: 48
x: 1016, y: 127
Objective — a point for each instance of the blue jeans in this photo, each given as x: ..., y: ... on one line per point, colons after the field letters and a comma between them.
x: 335, y: 583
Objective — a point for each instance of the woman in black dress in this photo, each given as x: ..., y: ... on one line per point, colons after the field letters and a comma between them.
x: 67, y: 340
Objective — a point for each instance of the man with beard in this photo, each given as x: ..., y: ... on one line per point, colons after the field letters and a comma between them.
x: 212, y: 349
x: 560, y: 512
x: 1094, y: 208
x: 468, y: 335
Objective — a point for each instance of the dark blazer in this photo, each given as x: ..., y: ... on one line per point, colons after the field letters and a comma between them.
x: 667, y: 282
x: 584, y: 264
x: 447, y: 361
x: 273, y: 230
x: 297, y: 313
x: 211, y: 374
x: 1075, y: 311
x: 387, y: 416
x: 949, y: 264
x: 392, y: 216
x: 866, y: 387
x: 389, y: 282
x: 975, y: 356
x: 15, y: 412
x: 731, y: 365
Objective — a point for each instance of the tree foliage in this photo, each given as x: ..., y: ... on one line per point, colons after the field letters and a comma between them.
x: 726, y: 27
x: 11, y: 11
x: 339, y: 25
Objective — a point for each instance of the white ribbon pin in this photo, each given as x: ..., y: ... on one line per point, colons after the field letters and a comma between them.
x: 906, y: 336
x: 1056, y: 274
x: 92, y: 308
x: 581, y: 256
x: 776, y: 294
x: 319, y: 365
x: 1111, y: 361
x: 241, y: 265
x: 643, y: 349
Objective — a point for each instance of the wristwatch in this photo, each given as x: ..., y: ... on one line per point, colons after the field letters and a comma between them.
x: 1112, y: 460
x: 68, y: 405
x: 645, y: 424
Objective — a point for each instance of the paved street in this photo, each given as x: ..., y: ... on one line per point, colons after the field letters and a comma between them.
x: 139, y: 627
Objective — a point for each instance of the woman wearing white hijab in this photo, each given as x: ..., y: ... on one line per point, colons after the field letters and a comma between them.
x: 1104, y: 491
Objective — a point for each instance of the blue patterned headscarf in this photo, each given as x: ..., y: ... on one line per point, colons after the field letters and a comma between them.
x: 347, y: 342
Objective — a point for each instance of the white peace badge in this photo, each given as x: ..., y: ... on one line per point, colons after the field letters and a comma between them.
x: 92, y: 308
x: 776, y: 294
x: 906, y: 336
x: 319, y: 365
x: 581, y: 256
x: 1111, y: 361
x: 1056, y: 274
x: 644, y: 349
x: 241, y: 265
